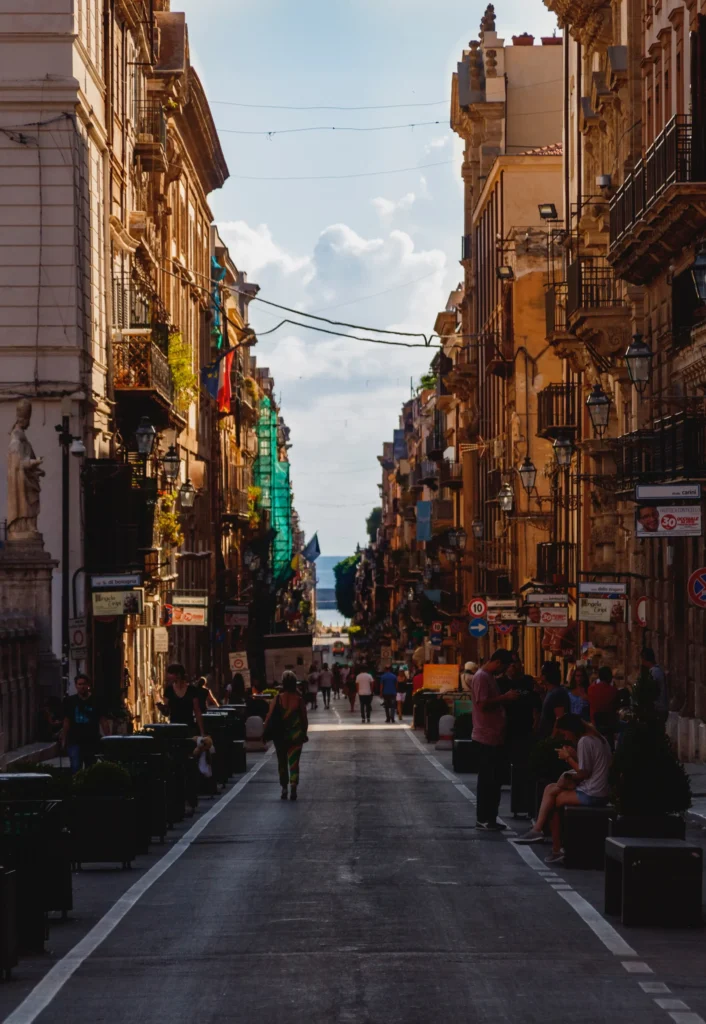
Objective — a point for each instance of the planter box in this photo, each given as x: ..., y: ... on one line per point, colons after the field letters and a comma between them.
x: 642, y: 826
x: 103, y: 830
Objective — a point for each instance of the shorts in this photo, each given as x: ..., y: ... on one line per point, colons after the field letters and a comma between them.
x: 586, y: 800
x: 401, y: 698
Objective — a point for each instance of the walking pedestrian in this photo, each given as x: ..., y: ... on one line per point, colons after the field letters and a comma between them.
x: 325, y: 685
x: 237, y: 688
x: 84, y: 721
x: 402, y: 682
x: 336, y: 684
x: 488, y: 736
x: 312, y: 687
x: 388, y: 692
x: 351, y: 687
x: 204, y: 695
x: 469, y: 670
x: 556, y: 700
x: 181, y: 701
x: 288, y: 722
x: 649, y: 661
x: 364, y: 688
x: 603, y: 701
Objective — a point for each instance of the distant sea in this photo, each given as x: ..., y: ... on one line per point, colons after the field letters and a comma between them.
x: 327, y: 581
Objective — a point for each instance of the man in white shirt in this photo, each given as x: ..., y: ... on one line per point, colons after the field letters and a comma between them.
x: 364, y: 688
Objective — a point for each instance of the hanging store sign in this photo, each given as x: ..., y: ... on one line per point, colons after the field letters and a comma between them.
x: 116, y: 581
x: 190, y: 600
x: 78, y: 638
x: 668, y: 521
x: 606, y: 589
x: 118, y: 602
x: 668, y: 492
x: 189, y: 616
x: 547, y: 599
x: 235, y: 615
x: 238, y: 661
x: 602, y: 609
x: 549, y: 618
x: 501, y: 602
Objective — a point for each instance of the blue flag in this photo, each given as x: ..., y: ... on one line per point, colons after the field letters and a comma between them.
x: 312, y: 551
x: 209, y: 378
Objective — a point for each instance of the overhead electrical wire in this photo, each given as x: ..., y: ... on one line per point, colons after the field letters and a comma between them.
x: 274, y: 106
x: 329, y: 128
x: 339, y: 177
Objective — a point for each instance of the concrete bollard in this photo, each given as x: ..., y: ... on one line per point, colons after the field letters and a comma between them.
x: 446, y: 733
x: 254, y: 728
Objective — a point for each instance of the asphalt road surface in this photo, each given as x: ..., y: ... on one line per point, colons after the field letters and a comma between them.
x: 372, y: 899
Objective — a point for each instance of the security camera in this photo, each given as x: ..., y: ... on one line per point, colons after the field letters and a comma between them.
x: 77, y: 448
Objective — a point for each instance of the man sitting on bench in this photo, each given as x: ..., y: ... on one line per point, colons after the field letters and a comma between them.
x: 586, y: 784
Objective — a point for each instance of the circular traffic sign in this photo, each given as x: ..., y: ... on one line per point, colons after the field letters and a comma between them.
x: 437, y: 627
x: 478, y: 628
x: 503, y: 628
x: 477, y: 608
x: 641, y: 612
x: 696, y: 588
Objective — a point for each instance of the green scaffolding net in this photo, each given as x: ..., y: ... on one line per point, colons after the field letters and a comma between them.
x: 272, y: 477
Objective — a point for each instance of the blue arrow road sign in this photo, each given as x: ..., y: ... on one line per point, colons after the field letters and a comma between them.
x: 478, y: 627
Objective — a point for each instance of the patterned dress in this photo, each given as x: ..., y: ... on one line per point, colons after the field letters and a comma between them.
x: 289, y: 748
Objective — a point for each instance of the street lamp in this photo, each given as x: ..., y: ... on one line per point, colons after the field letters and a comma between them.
x: 478, y: 528
x: 598, y: 405
x: 187, y: 494
x: 461, y: 538
x: 698, y: 273
x: 505, y: 272
x: 528, y: 474
x: 638, y: 360
x: 547, y: 211
x: 506, y: 497
x: 171, y: 464
x: 145, y: 436
x: 563, y: 451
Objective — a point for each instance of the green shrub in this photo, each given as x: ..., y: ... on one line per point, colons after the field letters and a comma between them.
x: 105, y: 778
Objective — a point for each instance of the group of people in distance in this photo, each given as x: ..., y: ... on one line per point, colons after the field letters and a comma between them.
x: 356, y: 682
x: 512, y: 711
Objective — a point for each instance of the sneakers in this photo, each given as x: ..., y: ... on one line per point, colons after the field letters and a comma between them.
x: 533, y: 836
x: 284, y: 795
x: 555, y: 858
x: 491, y: 826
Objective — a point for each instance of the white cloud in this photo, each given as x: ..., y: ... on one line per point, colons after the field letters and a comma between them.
x: 386, y: 208
x: 436, y: 144
x: 254, y: 248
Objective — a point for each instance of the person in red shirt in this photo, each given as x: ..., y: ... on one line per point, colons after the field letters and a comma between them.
x: 488, y: 737
x: 418, y: 681
x: 603, y: 702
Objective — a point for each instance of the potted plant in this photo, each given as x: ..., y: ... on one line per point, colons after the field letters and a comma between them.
x: 651, y: 789
x: 102, y: 815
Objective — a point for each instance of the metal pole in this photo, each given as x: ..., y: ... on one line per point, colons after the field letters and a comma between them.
x: 64, y: 441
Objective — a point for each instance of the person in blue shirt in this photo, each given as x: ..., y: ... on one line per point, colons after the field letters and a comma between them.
x: 388, y: 691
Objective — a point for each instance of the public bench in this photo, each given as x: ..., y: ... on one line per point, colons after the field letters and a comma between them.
x: 653, y: 881
x: 584, y: 832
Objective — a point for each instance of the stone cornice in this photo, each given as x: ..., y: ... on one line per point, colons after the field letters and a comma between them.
x: 198, y: 131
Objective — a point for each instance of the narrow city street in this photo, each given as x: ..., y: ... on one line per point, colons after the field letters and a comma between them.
x: 372, y: 899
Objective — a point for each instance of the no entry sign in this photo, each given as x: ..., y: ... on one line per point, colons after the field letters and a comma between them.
x: 696, y: 588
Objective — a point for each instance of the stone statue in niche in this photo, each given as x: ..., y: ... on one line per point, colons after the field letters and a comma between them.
x: 24, y: 472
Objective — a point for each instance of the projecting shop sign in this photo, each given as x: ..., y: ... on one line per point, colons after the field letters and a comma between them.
x: 668, y: 521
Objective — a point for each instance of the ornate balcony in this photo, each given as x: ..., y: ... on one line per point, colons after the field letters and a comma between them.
x: 139, y: 365
x: 595, y: 310
x: 151, y: 137
x: 498, y: 354
x: 660, y: 207
x: 675, y: 448
x: 442, y: 513
x: 557, y: 411
x: 556, y: 563
x: 435, y: 445
x: 429, y: 473
x: 451, y: 474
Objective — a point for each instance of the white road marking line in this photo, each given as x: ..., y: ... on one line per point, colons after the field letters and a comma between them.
x: 51, y: 984
x: 671, y: 1004
x: 653, y: 986
x: 636, y: 966
x: 561, y: 886
x: 588, y: 914
x: 465, y: 791
x: 686, y: 1018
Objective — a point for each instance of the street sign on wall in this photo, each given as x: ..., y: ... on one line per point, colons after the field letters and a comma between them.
x: 696, y: 588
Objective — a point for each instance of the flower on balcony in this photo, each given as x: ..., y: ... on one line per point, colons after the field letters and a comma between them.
x: 254, y: 495
x: 167, y: 521
x: 184, y: 380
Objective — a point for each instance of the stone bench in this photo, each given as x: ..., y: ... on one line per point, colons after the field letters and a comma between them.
x: 584, y: 832
x: 653, y: 881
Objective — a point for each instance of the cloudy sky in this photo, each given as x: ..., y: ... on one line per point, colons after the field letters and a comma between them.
x: 372, y: 249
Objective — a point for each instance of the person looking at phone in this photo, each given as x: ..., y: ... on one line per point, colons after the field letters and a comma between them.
x: 489, y: 737
x: 588, y: 757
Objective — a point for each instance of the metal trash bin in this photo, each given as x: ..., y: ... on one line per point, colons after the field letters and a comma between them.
x: 235, y: 739
x: 216, y: 726
x: 172, y: 739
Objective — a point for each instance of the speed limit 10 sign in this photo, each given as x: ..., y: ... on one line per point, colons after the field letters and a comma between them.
x: 478, y: 608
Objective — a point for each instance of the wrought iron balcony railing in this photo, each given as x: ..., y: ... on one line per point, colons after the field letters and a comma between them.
x: 674, y: 447
x: 557, y: 411
x: 555, y: 308
x: 435, y: 444
x: 556, y: 563
x: 429, y: 472
x: 591, y: 284
x: 442, y: 511
x: 151, y: 123
x: 451, y: 474
x: 140, y: 365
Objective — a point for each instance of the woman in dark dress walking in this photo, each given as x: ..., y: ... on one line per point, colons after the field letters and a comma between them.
x: 181, y: 699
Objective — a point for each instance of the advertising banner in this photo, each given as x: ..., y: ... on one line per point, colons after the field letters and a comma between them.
x: 187, y: 615
x: 441, y: 677
x: 423, y: 520
x: 550, y: 618
x: 601, y: 609
x: 235, y: 615
x: 118, y: 602
x: 668, y: 521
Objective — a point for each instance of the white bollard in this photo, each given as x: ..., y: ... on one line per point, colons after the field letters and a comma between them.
x: 446, y: 733
x: 254, y: 728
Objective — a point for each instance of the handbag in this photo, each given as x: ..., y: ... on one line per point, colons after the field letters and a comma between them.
x: 274, y: 730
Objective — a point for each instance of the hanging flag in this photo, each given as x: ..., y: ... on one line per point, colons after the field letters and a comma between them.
x: 224, y: 390
x: 209, y: 379
x: 312, y: 551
